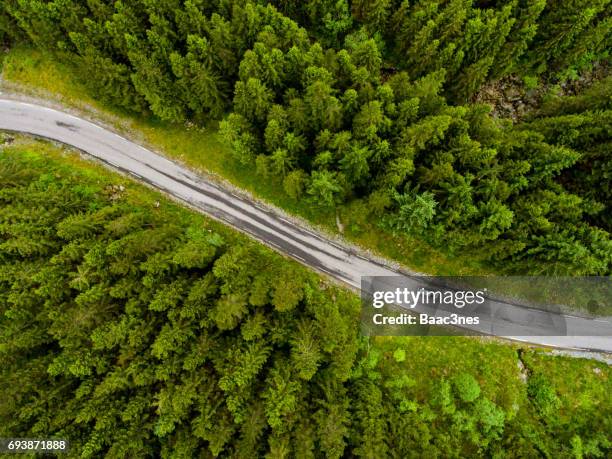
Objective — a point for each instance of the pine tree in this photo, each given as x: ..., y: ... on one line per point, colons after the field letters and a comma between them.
x: 252, y: 99
x: 324, y: 188
x: 202, y: 90
x: 560, y: 26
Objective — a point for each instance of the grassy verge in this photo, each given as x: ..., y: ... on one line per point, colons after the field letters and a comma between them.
x: 538, y: 392
x: 430, y: 358
x: 583, y: 386
x: 42, y: 75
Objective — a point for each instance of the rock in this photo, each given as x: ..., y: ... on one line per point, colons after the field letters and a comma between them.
x: 512, y: 93
x: 6, y: 139
x: 339, y: 223
x: 523, y: 376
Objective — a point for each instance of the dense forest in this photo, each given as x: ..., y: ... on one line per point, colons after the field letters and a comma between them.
x: 373, y: 100
x: 135, y: 328
x: 474, y: 42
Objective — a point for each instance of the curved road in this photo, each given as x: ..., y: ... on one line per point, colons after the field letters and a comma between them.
x: 311, y: 249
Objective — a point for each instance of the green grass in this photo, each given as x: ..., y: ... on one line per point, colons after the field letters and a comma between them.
x: 583, y: 386
x: 494, y: 364
x: 43, y: 75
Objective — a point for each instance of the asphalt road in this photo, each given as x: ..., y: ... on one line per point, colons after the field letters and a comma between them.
x: 314, y: 250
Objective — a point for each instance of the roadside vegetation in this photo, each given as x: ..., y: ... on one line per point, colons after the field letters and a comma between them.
x: 359, y: 114
x: 136, y: 328
x: 43, y: 75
